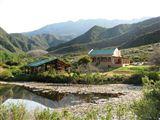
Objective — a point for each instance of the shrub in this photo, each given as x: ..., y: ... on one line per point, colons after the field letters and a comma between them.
x: 12, y: 63
x: 6, y: 75
x: 84, y: 61
x: 16, y: 72
x: 135, y: 79
x: 153, y: 76
x: 148, y: 107
x: 47, y: 115
x: 3, y: 113
x: 13, y: 112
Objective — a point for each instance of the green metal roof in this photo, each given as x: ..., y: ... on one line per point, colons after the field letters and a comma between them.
x: 102, y: 52
x: 40, y: 62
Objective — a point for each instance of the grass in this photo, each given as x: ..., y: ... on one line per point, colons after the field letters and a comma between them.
x: 128, y: 70
x: 108, y: 112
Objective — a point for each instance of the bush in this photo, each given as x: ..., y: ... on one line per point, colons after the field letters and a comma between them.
x: 11, y: 63
x: 47, y: 115
x: 153, y: 76
x: 148, y: 107
x: 13, y: 112
x: 16, y: 72
x: 6, y: 75
x: 135, y: 79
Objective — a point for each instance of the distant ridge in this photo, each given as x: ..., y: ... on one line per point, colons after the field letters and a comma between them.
x: 123, y: 36
x: 69, y: 30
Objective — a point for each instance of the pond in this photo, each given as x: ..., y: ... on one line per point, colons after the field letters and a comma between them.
x: 56, y: 100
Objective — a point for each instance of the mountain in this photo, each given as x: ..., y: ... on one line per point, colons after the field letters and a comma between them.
x: 47, y: 40
x: 5, y: 43
x: 69, y: 30
x: 149, y: 38
x: 123, y: 36
x: 18, y: 42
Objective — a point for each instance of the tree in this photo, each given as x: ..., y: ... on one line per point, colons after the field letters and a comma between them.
x: 155, y: 57
x: 84, y: 60
x: 83, y: 63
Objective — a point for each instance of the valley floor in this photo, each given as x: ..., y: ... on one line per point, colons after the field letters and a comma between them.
x: 121, y: 93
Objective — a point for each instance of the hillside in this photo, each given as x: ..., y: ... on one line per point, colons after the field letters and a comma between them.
x: 18, y: 42
x: 89, y: 36
x: 119, y: 36
x: 141, y: 53
x: 69, y: 30
x: 149, y: 38
x: 5, y: 43
x: 47, y: 40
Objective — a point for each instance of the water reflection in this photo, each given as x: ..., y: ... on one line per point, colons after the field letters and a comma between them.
x: 55, y: 100
x: 28, y: 104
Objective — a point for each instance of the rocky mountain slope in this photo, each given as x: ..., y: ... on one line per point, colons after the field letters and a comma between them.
x: 123, y: 36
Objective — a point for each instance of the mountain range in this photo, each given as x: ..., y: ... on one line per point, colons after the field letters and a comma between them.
x: 69, y: 30
x: 122, y: 36
x: 64, y: 37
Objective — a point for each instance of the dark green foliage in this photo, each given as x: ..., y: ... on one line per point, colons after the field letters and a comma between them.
x: 135, y: 79
x: 84, y: 61
x: 148, y: 107
x: 153, y: 76
x: 11, y: 63
x: 4, y: 56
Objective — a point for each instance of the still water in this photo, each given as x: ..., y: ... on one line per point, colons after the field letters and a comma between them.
x: 12, y: 93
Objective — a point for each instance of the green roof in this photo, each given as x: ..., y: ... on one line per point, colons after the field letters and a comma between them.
x: 40, y: 62
x: 102, y: 52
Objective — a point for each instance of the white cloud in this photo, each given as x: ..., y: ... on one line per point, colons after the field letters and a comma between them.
x: 26, y: 15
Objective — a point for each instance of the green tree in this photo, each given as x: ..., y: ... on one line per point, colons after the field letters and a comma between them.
x: 84, y: 60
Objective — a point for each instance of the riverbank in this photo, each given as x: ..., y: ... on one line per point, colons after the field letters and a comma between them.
x: 120, y: 93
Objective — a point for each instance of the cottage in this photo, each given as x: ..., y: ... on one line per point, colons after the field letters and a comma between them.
x: 46, y: 64
x: 108, y: 57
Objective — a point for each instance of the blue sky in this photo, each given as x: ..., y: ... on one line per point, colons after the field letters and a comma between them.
x: 27, y: 15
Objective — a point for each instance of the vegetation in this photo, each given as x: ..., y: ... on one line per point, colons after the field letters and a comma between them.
x: 18, y: 42
x: 124, y: 36
x: 141, y: 53
x: 155, y: 58
x: 82, y: 72
x: 82, y: 78
x: 147, y: 108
